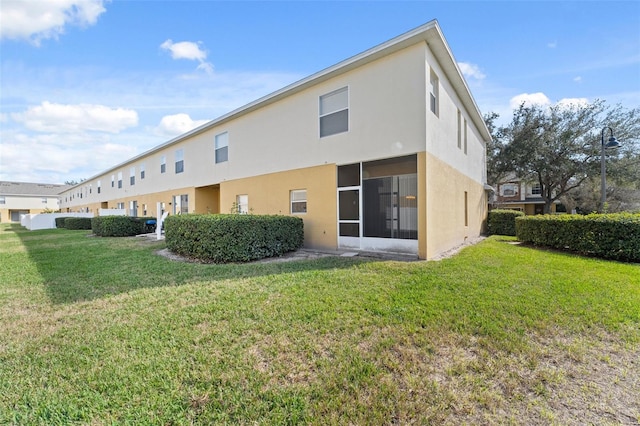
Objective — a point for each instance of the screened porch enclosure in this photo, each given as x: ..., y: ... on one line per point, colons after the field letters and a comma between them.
x: 378, y: 205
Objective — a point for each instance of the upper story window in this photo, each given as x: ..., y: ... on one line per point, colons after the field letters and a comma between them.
x: 536, y: 189
x: 119, y: 180
x: 298, y: 201
x: 179, y: 161
x: 44, y: 200
x: 3, y: 200
x: 464, y: 134
x: 434, y: 93
x: 132, y: 176
x: 334, y: 112
x: 459, y: 130
x: 141, y: 171
x: 113, y: 179
x: 99, y: 183
x: 222, y: 147
x: 163, y: 164
x: 509, y: 189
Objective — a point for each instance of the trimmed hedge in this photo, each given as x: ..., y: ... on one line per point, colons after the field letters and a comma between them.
x: 224, y: 238
x: 77, y: 223
x: 119, y: 226
x: 60, y: 221
x: 503, y: 222
x: 608, y: 236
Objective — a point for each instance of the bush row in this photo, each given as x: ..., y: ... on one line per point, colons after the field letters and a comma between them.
x: 608, y: 236
x: 119, y: 226
x: 503, y: 222
x: 224, y: 238
x: 73, y: 222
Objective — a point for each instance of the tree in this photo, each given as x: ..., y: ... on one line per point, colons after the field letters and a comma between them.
x: 558, y: 147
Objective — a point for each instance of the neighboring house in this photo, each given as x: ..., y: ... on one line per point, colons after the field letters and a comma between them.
x: 516, y: 194
x: 17, y: 198
x: 383, y: 151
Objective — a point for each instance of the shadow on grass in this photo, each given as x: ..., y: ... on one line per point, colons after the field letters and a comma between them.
x: 76, y: 266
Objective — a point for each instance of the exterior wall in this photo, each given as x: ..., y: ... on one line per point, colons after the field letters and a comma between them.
x: 270, y: 194
x: 28, y: 204
x: 386, y: 119
x: 446, y: 188
x: 274, y: 146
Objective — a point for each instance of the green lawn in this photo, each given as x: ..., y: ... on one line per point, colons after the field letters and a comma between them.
x: 104, y: 331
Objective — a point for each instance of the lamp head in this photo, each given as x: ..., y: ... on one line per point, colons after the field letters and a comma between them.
x: 612, y: 143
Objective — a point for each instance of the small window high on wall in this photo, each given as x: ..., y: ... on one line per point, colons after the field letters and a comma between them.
x: 334, y: 112
x: 222, y: 147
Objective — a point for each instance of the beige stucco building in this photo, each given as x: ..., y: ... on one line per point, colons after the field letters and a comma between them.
x: 19, y: 198
x: 383, y: 151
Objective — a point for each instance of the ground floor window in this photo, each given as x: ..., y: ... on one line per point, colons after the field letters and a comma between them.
x: 298, y: 201
x: 242, y: 204
x: 181, y: 204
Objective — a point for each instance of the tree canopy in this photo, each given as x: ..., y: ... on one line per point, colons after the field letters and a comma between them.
x: 559, y: 147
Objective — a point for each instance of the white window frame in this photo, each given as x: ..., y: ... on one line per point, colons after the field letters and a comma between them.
x: 3, y: 199
x: 163, y: 164
x: 132, y: 176
x: 242, y: 204
x: 323, y: 112
x: 298, y: 197
x: 221, y: 145
x: 119, y: 180
x: 179, y: 168
x: 434, y: 93
x: 142, y: 171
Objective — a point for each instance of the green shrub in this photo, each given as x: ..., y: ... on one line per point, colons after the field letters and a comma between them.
x: 608, y: 236
x: 503, y: 222
x: 77, y: 223
x: 118, y: 226
x: 60, y: 221
x: 224, y: 238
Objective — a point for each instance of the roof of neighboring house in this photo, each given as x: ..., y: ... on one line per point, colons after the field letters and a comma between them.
x: 429, y: 33
x: 33, y: 189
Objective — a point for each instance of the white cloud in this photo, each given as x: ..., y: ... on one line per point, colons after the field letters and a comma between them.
x: 59, y: 118
x: 189, y: 50
x: 177, y: 124
x: 57, y: 158
x: 538, y: 98
x: 552, y: 44
x: 39, y: 20
x: 578, y: 79
x: 471, y: 71
x: 570, y: 102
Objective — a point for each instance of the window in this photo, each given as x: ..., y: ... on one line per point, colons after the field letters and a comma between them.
x: 459, y: 130
x: 466, y: 208
x: 144, y: 210
x: 44, y: 200
x: 3, y: 200
x: 465, y: 135
x: 119, y: 180
x: 163, y: 164
x: 242, y: 204
x: 121, y: 206
x: 334, y: 112
x: 181, y: 204
x: 222, y: 147
x: 113, y: 178
x: 132, y: 176
x: 509, y: 190
x: 536, y: 189
x: 298, y: 201
x: 141, y: 171
x: 433, y: 93
x: 179, y: 161
x: 99, y: 183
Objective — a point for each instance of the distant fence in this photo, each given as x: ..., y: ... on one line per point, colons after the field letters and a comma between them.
x: 37, y: 221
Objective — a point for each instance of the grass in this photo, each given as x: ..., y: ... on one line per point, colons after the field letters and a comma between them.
x: 104, y: 331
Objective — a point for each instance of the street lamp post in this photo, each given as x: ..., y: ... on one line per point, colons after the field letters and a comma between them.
x: 611, y: 143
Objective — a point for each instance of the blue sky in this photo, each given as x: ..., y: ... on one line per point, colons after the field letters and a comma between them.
x: 86, y: 84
